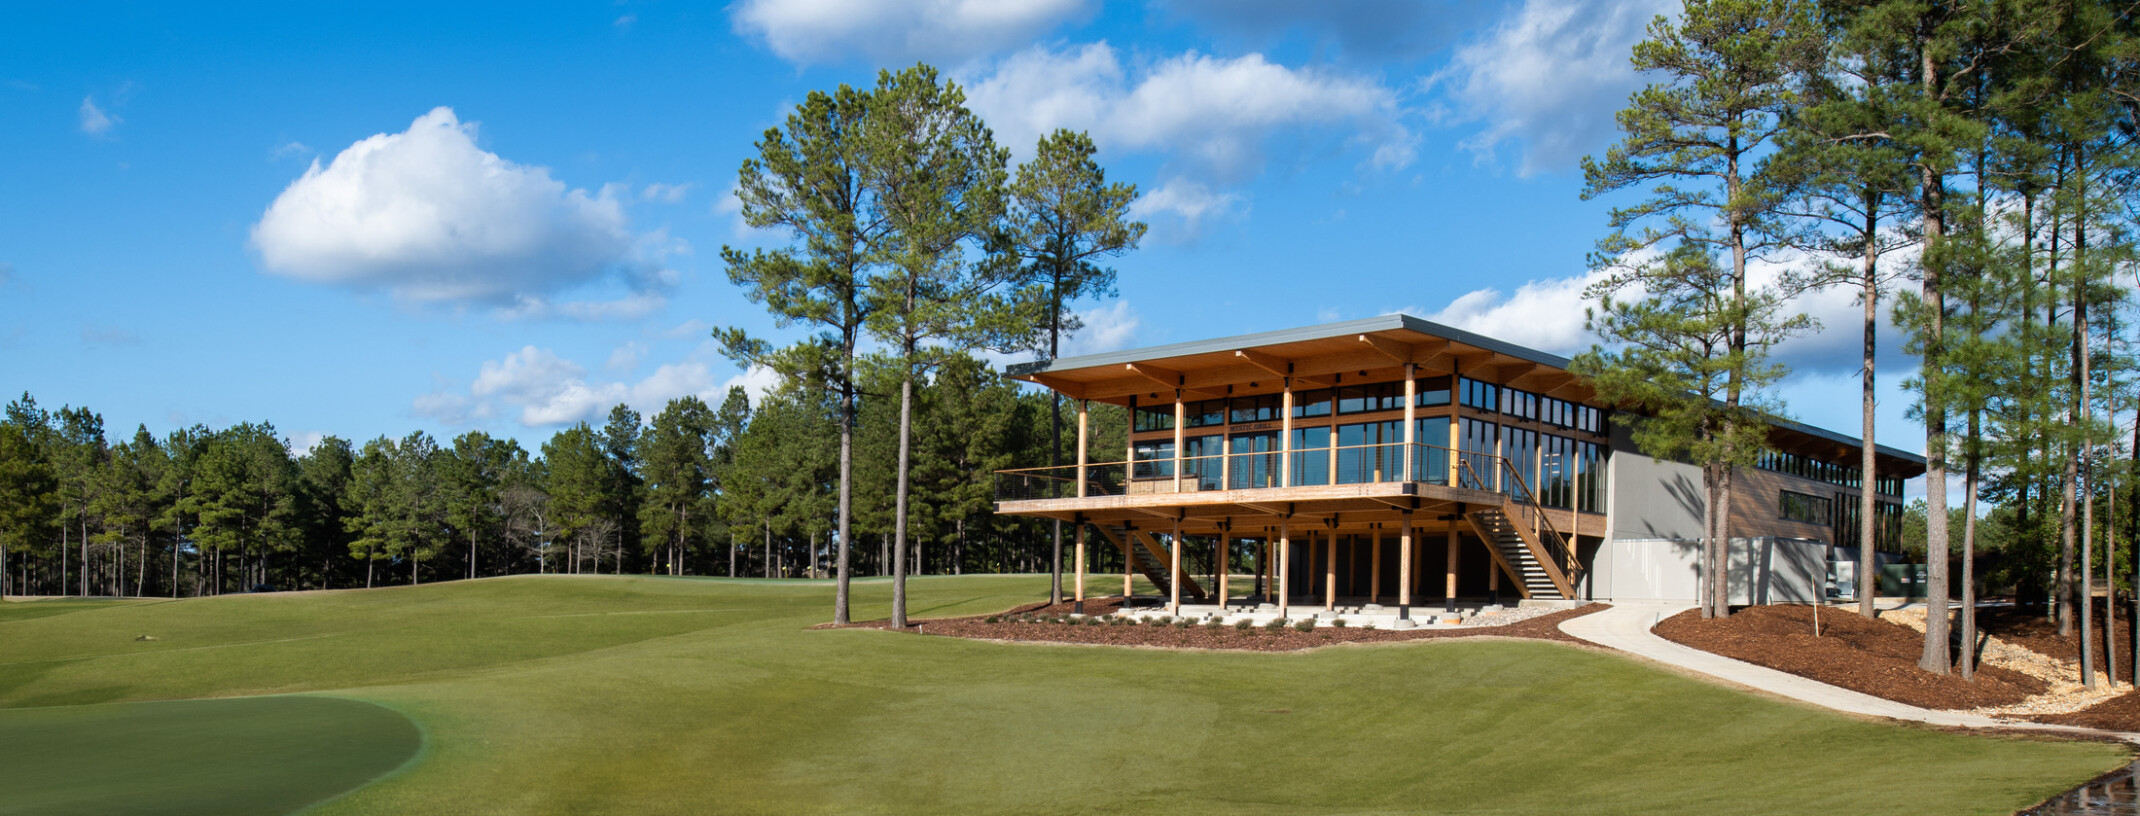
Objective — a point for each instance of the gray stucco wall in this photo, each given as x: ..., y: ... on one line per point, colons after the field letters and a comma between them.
x: 1763, y: 570
x: 1652, y: 498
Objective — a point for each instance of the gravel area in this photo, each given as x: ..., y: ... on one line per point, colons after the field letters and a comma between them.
x: 1040, y: 623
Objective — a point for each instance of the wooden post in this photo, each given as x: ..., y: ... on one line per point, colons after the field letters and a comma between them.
x: 1374, y: 570
x: 1285, y: 437
x: 1285, y: 567
x: 1493, y: 580
x: 1411, y: 433
x: 1129, y: 444
x: 1174, y: 573
x: 1330, y: 569
x: 1449, y: 586
x: 1181, y: 421
x: 1129, y: 557
x: 1456, y: 441
x: 1081, y: 533
x: 1404, y: 568
x: 1084, y: 436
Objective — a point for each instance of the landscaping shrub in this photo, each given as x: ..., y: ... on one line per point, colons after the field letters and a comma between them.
x: 1304, y: 625
x: 1275, y: 624
x: 1244, y: 625
x: 1339, y: 623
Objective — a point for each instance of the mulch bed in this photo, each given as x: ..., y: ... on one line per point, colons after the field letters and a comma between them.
x: 1871, y: 656
x: 1258, y: 639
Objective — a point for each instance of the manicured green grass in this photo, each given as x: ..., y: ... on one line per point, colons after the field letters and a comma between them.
x: 237, y: 757
x: 647, y: 695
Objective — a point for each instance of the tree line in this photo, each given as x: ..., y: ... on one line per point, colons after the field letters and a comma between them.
x: 735, y: 490
x: 1969, y: 165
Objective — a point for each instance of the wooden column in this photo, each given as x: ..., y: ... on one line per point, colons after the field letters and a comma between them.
x: 1493, y: 580
x: 1449, y: 588
x: 1084, y: 437
x: 1181, y: 421
x: 1330, y: 569
x: 1129, y: 569
x: 1174, y: 572
x: 1081, y: 535
x: 1411, y: 431
x: 1285, y: 437
x: 1374, y: 570
x: 1285, y: 568
x: 1456, y: 441
x: 1404, y: 568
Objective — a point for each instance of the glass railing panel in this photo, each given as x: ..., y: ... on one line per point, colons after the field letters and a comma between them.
x: 1250, y: 471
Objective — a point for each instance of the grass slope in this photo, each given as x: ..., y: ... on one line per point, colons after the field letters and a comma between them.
x: 648, y: 695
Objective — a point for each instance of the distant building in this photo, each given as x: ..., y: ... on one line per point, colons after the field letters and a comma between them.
x: 1396, y: 461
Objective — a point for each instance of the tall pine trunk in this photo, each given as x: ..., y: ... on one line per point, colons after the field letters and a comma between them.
x: 1868, y: 463
x: 1936, y: 657
x: 840, y: 609
x: 899, y: 510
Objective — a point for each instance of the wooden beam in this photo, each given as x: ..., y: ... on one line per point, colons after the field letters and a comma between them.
x: 1163, y: 377
x: 1068, y: 388
x: 1401, y: 353
x: 1442, y: 362
x: 1279, y: 366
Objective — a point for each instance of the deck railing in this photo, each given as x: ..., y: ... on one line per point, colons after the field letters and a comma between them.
x: 1352, y: 464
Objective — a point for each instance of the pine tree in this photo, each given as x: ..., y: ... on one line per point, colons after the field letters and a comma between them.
x: 1063, y: 217
x: 938, y: 176
x: 1701, y: 330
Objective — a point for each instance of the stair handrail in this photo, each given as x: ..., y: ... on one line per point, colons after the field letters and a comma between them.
x: 1556, y: 545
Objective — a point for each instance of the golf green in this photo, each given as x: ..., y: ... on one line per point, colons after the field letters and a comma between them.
x: 638, y: 695
x: 250, y: 755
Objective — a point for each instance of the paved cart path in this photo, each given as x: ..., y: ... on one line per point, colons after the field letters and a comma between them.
x: 1626, y: 627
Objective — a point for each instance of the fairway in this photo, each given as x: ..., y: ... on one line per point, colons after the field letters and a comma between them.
x: 651, y: 695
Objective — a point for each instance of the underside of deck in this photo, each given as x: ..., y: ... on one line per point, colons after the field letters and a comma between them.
x: 1345, y: 507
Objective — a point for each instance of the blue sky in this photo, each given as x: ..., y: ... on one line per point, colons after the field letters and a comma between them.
x: 429, y: 216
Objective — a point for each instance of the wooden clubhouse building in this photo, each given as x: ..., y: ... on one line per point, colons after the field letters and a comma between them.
x: 1396, y: 461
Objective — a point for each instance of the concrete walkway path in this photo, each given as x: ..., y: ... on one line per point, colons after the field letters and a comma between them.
x: 1626, y: 627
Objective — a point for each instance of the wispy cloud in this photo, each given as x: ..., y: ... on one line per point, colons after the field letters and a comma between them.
x: 96, y: 121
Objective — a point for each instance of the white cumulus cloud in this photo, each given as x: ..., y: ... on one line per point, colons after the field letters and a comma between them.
x: 1544, y: 314
x: 537, y: 388
x: 1548, y: 78
x: 1217, y: 114
x: 430, y: 217
x: 898, y: 32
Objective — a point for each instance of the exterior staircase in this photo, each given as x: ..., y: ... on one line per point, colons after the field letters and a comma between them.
x: 1151, y: 558
x: 1508, y: 540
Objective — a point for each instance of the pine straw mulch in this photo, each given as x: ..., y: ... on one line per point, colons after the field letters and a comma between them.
x: 1875, y: 657
x: 1198, y: 636
x: 2031, y: 629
